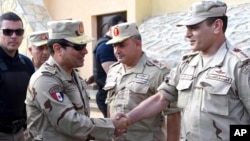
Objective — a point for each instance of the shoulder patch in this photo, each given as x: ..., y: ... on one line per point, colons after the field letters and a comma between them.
x: 154, y: 62
x: 239, y: 53
x: 56, y: 93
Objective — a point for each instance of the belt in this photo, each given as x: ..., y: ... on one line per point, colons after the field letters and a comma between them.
x: 12, y: 126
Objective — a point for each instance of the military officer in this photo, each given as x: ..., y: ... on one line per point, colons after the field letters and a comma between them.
x: 57, y: 101
x: 38, y: 47
x: 133, y: 79
x: 212, y: 83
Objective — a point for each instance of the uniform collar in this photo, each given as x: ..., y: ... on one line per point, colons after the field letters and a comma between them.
x: 221, y: 54
x: 139, y: 67
x: 218, y: 57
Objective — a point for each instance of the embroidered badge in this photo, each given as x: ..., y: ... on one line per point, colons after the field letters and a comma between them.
x: 186, y: 76
x: 116, y: 31
x: 141, y: 81
x: 219, y: 78
x: 219, y: 71
x: 56, y: 93
x: 44, y: 36
x: 81, y: 29
x: 219, y: 75
x: 142, y: 76
x: 57, y: 96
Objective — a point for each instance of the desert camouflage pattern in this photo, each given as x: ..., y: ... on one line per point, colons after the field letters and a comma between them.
x: 58, y: 107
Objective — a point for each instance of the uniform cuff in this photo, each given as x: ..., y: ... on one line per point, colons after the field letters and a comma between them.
x: 103, y: 129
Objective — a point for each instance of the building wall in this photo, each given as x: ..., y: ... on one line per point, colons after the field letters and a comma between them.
x: 137, y: 10
x: 168, y: 43
x: 164, y: 6
x: 87, y: 10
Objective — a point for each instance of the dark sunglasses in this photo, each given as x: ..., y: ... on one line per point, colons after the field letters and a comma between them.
x: 77, y: 47
x: 9, y: 32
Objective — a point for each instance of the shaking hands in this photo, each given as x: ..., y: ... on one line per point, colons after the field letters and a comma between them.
x: 121, y: 123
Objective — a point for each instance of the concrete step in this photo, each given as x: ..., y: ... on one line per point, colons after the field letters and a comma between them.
x: 92, y: 104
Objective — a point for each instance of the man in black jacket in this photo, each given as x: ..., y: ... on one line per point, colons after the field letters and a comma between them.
x: 15, y: 72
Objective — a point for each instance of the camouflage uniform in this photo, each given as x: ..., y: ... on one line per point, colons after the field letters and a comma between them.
x: 212, y: 97
x: 127, y: 89
x: 58, y: 107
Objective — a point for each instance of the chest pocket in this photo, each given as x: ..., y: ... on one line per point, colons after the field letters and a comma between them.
x: 183, y: 88
x: 137, y: 93
x: 139, y: 88
x: 215, y: 97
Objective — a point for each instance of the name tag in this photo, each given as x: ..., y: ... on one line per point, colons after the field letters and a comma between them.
x: 219, y: 78
x: 142, y: 76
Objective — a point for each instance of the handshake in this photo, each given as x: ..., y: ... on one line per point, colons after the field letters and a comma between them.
x: 121, y: 122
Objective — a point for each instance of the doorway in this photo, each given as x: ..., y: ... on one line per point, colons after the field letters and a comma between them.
x: 102, y: 20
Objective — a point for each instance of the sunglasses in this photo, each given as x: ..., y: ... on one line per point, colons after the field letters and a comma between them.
x: 9, y: 32
x: 77, y: 47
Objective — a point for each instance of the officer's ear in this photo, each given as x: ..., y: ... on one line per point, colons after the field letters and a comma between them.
x: 217, y: 26
x: 57, y: 48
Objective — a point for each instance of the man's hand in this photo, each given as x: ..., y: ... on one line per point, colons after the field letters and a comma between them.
x: 122, y: 115
x: 120, y: 123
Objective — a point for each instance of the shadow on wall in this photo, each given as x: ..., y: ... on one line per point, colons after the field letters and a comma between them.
x: 162, y: 40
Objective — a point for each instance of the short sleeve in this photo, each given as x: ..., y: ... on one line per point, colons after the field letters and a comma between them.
x: 105, y: 53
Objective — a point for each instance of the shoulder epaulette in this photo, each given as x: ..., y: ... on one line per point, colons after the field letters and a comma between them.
x: 239, y: 54
x: 154, y: 62
x: 48, y: 69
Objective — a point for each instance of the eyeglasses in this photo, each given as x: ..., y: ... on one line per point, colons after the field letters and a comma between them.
x: 9, y: 32
x: 77, y: 47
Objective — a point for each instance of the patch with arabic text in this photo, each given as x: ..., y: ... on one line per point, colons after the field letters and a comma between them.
x: 56, y: 93
x: 221, y: 78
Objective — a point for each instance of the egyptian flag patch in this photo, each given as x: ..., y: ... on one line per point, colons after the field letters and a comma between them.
x: 58, y: 96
